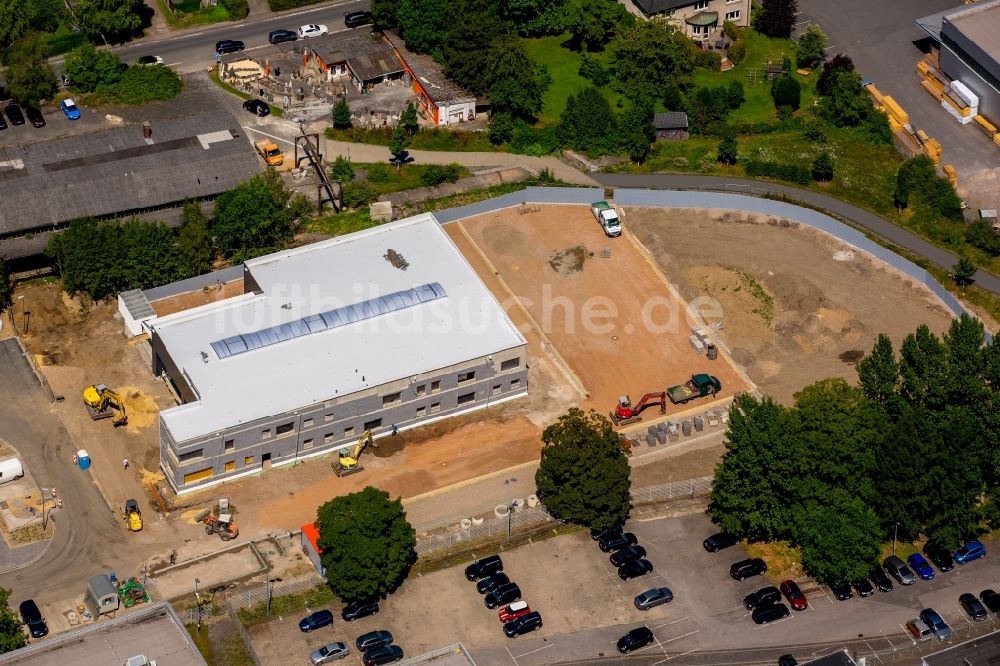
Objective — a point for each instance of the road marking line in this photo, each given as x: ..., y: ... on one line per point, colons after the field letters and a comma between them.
x: 684, y: 654
x: 174, y: 64
x: 671, y: 622
x: 271, y: 136
x: 677, y: 638
x: 832, y: 46
x: 510, y: 655
x: 544, y: 647
x: 770, y: 624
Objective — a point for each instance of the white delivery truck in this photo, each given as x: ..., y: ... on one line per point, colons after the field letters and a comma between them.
x: 606, y: 214
x: 10, y: 470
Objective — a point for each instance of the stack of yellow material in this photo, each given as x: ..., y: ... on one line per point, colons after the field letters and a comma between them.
x: 985, y: 126
x: 933, y: 149
x: 957, y: 103
x: 996, y: 139
x: 874, y: 92
x: 933, y: 86
x: 923, y: 67
x: 952, y: 174
x: 895, y: 110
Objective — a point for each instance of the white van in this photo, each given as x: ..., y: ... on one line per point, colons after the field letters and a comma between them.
x: 10, y: 470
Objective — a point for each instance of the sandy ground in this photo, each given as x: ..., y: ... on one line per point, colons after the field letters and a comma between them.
x: 193, y: 299
x: 830, y: 300
x: 606, y: 310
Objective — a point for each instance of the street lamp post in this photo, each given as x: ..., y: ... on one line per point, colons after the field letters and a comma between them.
x: 197, y: 601
x: 45, y: 491
x: 510, y: 518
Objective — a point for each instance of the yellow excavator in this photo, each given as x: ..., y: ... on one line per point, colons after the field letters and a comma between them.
x: 103, y: 403
x: 133, y: 518
x: 348, y: 463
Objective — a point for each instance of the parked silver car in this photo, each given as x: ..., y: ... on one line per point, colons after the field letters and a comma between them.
x: 329, y: 653
x: 652, y: 598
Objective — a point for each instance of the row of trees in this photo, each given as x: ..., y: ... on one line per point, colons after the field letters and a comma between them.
x: 99, y: 20
x: 910, y: 451
x: 103, y: 258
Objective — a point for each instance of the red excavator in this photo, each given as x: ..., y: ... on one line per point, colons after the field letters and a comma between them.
x: 625, y: 413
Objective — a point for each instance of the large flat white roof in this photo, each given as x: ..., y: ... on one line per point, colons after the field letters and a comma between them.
x: 436, y: 313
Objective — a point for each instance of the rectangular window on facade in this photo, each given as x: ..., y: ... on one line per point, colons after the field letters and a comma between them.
x: 247, y: 461
x: 391, y: 399
x: 466, y: 376
x: 327, y: 418
x: 702, y: 4
x: 435, y: 386
x: 466, y: 398
x: 307, y: 423
x: 515, y: 383
x: 284, y: 428
x: 328, y: 403
x: 496, y: 390
x: 349, y: 432
x: 230, y: 465
x: 733, y: 16
x: 200, y: 475
x: 510, y: 364
x: 421, y: 411
x: 421, y: 389
x: 191, y: 455
x: 328, y: 438
x: 307, y: 444
x: 435, y: 407
x: 371, y: 425
x: 229, y: 445
x: 266, y: 434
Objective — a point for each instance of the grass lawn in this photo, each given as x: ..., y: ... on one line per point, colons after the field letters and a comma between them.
x: 339, y: 224
x: 220, y: 651
x: 190, y: 12
x: 407, y: 178
x: 563, y: 66
x: 63, y: 40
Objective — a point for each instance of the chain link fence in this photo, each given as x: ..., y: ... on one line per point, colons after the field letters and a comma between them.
x: 232, y: 600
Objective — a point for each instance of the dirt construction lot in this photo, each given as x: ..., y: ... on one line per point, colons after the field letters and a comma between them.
x: 606, y: 309
x: 797, y: 305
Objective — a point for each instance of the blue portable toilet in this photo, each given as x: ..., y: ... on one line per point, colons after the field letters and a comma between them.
x: 83, y: 459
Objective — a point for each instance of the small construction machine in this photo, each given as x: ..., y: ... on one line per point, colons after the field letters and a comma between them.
x: 219, y: 520
x: 132, y: 516
x: 348, y: 462
x: 626, y: 413
x: 103, y: 403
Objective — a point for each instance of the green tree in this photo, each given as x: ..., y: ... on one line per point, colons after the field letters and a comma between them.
x: 592, y: 70
x: 513, y: 79
x: 672, y: 99
x: 923, y: 365
x: 237, y: 9
x: 114, y: 20
x: 822, y: 167
x: 587, y: 123
x: 532, y: 18
x: 194, y: 240
x: 749, y: 495
x: 6, y: 291
x: 786, y: 92
x: 727, y: 147
x: 399, y: 141
x: 837, y: 62
x: 383, y: 13
x: 651, y: 56
x: 342, y: 170
x: 501, y: 128
x: 952, y: 478
x: 965, y: 347
x: 17, y: 17
x: 875, y: 128
x: 408, y: 119
x: 341, y: 115
x: 776, y: 18
x: 811, y: 47
x: 878, y: 375
x: 583, y: 476
x: 964, y: 271
x: 424, y: 24
x: 980, y: 234
x: 367, y: 543
x: 592, y: 23
x: 88, y: 68
x: 902, y: 505
x: 840, y: 536
x: 30, y: 79
x: 148, y: 83
x: 467, y: 51
x: 735, y: 95
x: 918, y: 185
x: 846, y: 103
x: 636, y: 132
x: 11, y: 635
x: 253, y: 218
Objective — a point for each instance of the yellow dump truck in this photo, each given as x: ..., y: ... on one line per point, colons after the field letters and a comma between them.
x: 270, y: 152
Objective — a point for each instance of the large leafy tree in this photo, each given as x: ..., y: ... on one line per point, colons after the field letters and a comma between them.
x: 845, y: 103
x: 341, y: 115
x: 89, y: 68
x: 513, y: 79
x: 30, y: 79
x: 878, y: 375
x: 11, y: 635
x: 114, y: 20
x: 425, y: 24
x: 636, y: 132
x: 923, y: 369
x: 776, y: 17
x: 193, y: 239
x: 17, y: 17
x: 384, y: 13
x: 467, y: 51
x: 253, y: 218
x: 811, y: 47
x: 368, y: 545
x: 587, y: 122
x: 532, y: 18
x: 583, y: 476
x: 839, y: 536
x: 592, y: 23
x: 651, y: 56
x: 749, y: 494
x: 901, y: 507
x: 786, y: 91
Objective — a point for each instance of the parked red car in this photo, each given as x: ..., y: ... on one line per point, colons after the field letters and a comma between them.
x: 514, y: 611
x: 796, y: 599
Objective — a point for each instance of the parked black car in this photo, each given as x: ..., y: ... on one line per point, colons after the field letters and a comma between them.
x: 973, y: 606
x: 3, y: 123
x: 842, y: 592
x: 634, y: 569
x: 597, y: 535
x: 35, y: 116
x: 617, y: 542
x: 747, y: 568
x: 635, y: 639
x: 258, y: 107
x: 863, y: 588
x: 991, y: 600
x: 355, y: 19
x: 14, y: 114
x: 32, y: 617
x: 229, y: 46
x: 359, y: 609
x: 627, y: 555
x: 484, y: 567
x: 492, y: 582
x: 766, y: 614
x: 279, y: 36
x: 502, y: 595
x: 881, y: 580
x: 765, y: 596
x: 383, y: 654
x: 373, y: 639
x: 522, y: 625
x: 787, y: 660
x: 939, y: 557
x: 720, y: 540
x: 317, y: 620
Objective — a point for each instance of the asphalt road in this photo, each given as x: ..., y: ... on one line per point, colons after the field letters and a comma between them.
x: 191, y: 51
x: 853, y: 214
x: 88, y: 539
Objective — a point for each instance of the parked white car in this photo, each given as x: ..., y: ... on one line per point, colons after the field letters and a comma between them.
x: 313, y: 30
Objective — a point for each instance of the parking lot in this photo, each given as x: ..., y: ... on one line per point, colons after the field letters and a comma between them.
x: 586, y: 608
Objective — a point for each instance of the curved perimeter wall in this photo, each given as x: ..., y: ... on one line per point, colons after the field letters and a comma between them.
x: 692, y: 199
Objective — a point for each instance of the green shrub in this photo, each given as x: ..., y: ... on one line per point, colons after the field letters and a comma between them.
x: 592, y: 70
x: 357, y: 195
x: 979, y: 234
x: 147, y: 83
x: 238, y: 9
x: 786, y: 91
x: 379, y: 173
x: 737, y: 52
x: 822, y: 167
x: 710, y: 60
x: 789, y: 172
x: 280, y: 5
x: 342, y: 170
x: 730, y: 30
x: 435, y: 174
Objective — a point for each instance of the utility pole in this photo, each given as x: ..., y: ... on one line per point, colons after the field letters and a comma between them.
x: 197, y: 601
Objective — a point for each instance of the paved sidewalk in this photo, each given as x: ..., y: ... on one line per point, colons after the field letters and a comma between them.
x: 363, y: 152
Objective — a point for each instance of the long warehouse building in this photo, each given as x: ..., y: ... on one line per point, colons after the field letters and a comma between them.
x: 389, y: 327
